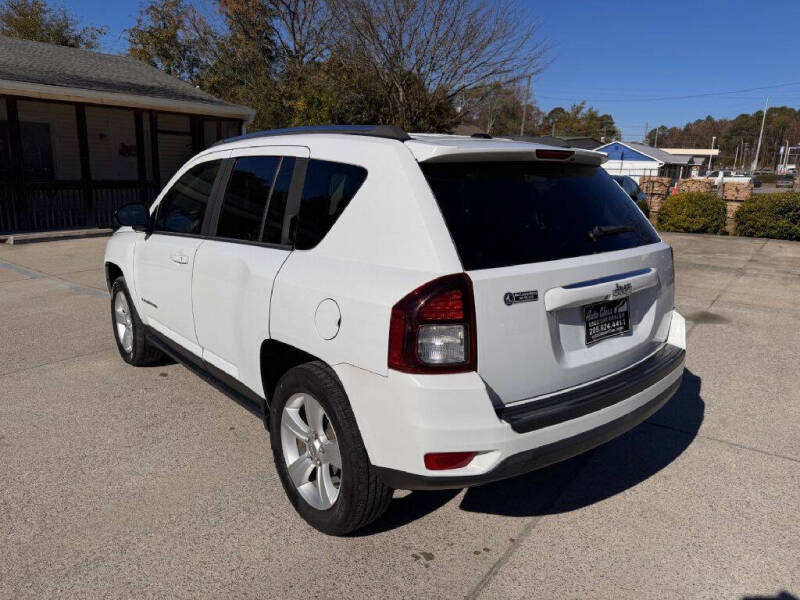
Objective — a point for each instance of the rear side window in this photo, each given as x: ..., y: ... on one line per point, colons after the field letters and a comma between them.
x: 503, y: 214
x: 183, y: 207
x: 245, y: 201
x: 328, y: 189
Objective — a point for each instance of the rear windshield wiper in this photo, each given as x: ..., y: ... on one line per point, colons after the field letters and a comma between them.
x: 600, y: 231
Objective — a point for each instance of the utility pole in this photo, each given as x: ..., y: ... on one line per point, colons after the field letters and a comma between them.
x: 656, y: 142
x: 645, y: 132
x: 760, y: 135
x: 711, y: 156
x: 736, y: 157
x: 525, y: 106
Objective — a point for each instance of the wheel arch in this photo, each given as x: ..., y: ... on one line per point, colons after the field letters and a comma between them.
x: 276, y: 359
x: 113, y: 271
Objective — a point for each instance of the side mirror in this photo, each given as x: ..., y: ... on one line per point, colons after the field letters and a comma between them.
x: 133, y: 215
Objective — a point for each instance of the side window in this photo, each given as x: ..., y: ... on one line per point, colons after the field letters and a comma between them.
x: 328, y: 189
x: 273, y: 225
x: 246, y: 197
x: 629, y: 186
x: 183, y: 207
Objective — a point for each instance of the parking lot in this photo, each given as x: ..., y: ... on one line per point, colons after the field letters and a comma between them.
x: 125, y: 482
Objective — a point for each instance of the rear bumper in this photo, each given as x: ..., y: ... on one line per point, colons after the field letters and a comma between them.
x: 535, y: 458
x: 402, y: 417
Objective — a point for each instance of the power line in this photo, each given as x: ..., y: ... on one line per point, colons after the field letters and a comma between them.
x: 628, y: 98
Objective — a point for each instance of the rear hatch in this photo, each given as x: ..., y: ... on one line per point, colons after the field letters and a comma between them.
x: 571, y: 281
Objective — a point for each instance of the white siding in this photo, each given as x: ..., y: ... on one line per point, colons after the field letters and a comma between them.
x: 632, y: 168
x: 112, y: 143
x: 63, y: 134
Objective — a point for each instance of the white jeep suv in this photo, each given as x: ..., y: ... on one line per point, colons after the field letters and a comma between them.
x: 404, y: 311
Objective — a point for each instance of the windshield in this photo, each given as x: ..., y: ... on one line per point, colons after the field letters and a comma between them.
x: 503, y: 214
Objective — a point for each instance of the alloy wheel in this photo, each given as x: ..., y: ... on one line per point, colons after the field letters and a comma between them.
x: 123, y: 323
x: 311, y: 451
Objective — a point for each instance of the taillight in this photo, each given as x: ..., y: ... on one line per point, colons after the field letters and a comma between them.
x: 432, y: 329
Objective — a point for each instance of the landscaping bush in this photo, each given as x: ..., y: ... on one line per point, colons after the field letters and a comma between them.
x: 771, y: 216
x: 644, y: 207
x: 693, y: 212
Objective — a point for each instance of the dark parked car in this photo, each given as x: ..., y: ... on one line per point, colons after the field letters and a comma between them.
x: 634, y: 191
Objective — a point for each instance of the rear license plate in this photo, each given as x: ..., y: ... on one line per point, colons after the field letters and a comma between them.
x: 606, y: 319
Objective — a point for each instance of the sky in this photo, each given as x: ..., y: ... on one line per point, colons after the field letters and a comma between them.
x: 635, y: 60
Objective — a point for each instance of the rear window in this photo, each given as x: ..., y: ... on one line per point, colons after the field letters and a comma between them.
x: 503, y: 214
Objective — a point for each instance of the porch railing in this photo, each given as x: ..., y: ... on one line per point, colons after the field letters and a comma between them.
x: 67, y: 205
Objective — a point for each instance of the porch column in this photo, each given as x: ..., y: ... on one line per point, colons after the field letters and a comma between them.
x: 154, y: 148
x: 83, y: 150
x: 141, y: 165
x: 17, y: 200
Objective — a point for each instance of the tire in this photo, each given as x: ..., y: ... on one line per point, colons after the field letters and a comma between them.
x: 134, y: 349
x: 361, y: 497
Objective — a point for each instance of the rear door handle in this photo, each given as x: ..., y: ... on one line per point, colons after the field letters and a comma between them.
x: 179, y: 258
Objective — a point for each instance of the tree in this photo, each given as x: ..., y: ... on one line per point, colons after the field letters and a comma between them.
x: 401, y: 62
x: 427, y: 52
x: 166, y: 36
x: 35, y: 20
x: 736, y: 138
x: 580, y: 121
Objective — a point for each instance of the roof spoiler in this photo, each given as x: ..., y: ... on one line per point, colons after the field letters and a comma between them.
x: 388, y: 132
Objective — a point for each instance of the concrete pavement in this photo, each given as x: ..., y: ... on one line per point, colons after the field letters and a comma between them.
x: 148, y: 483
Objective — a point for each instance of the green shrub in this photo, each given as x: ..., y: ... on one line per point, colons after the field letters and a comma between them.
x: 644, y: 207
x: 770, y: 216
x: 693, y: 212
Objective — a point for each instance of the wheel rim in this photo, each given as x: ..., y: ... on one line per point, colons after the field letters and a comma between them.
x: 123, y: 324
x: 311, y: 451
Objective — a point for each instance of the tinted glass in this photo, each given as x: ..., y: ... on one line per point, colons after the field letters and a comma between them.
x: 183, y: 207
x: 502, y: 214
x: 327, y: 190
x: 273, y: 226
x: 246, y: 197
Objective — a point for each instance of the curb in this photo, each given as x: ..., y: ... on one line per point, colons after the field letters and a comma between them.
x: 53, y: 236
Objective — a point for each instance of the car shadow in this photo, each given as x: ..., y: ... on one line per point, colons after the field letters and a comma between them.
x: 606, y: 471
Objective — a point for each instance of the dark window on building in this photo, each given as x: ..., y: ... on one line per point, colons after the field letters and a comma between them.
x: 5, y: 150
x: 503, y: 214
x: 246, y: 197
x: 37, y: 150
x: 273, y: 226
x: 328, y: 189
x: 183, y: 207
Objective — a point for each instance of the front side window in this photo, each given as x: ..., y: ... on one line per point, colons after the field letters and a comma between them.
x: 328, y: 189
x: 246, y: 198
x: 183, y: 207
x: 503, y: 214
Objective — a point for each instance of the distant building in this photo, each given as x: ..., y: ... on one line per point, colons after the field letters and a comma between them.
x: 82, y: 133
x: 637, y: 160
x: 698, y: 157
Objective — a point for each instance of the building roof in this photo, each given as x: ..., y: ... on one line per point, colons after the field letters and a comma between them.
x: 656, y: 154
x: 693, y: 151
x: 40, y: 67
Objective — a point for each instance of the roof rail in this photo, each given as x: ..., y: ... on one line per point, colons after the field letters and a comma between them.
x: 389, y: 132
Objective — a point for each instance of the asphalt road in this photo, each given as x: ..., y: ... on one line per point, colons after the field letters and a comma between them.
x: 148, y: 483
